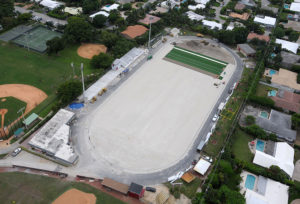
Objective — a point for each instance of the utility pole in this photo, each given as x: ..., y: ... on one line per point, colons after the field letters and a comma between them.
x: 82, y: 82
x: 21, y: 110
x: 72, y: 65
x: 149, y: 47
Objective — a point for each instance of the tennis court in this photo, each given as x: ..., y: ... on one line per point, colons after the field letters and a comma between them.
x: 196, y: 60
x: 36, y: 38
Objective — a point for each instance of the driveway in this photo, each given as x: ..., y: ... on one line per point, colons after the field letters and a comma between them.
x: 44, y: 17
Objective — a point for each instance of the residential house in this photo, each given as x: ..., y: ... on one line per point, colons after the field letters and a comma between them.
x: 246, y: 50
x: 267, y: 21
x: 253, y: 35
x: 289, y: 59
x: 287, y: 45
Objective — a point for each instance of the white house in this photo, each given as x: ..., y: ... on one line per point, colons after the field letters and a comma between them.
x: 194, y: 16
x: 295, y: 7
x: 212, y: 24
x: 99, y: 13
x: 51, y: 4
x: 202, y: 166
x: 283, y: 158
x: 73, y: 10
x: 267, y: 21
x: 195, y: 7
x: 109, y: 8
x: 290, y: 46
x: 204, y: 2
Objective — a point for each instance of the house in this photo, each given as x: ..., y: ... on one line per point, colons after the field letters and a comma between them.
x: 239, y: 6
x: 253, y: 35
x: 212, y: 24
x: 282, y: 156
x: 54, y: 138
x: 202, y: 166
x: 195, y: 7
x: 266, y: 21
x: 292, y: 24
x: 149, y: 18
x: 109, y: 8
x: 170, y: 4
x: 246, y: 50
x: 262, y: 190
x: 243, y: 16
x: 290, y: 46
x: 132, y: 32
x: 136, y: 191
x: 99, y: 13
x: 287, y: 100
x: 286, y: 78
x: 158, y: 10
x: 193, y: 16
x: 295, y: 7
x: 73, y: 10
x: 204, y: 2
x: 265, y: 4
x: 289, y: 59
x: 116, y: 186
x: 248, y: 3
x: 51, y: 4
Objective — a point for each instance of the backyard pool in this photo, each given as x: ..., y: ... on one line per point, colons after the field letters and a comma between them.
x: 272, y: 93
x: 264, y: 114
x: 250, y: 181
x: 260, y: 145
x: 76, y: 105
x: 286, y: 6
x: 272, y: 72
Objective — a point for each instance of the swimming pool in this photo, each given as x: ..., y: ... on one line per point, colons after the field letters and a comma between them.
x: 264, y: 114
x: 76, y: 105
x: 286, y: 6
x: 250, y: 181
x: 271, y: 72
x: 272, y: 93
x: 260, y: 145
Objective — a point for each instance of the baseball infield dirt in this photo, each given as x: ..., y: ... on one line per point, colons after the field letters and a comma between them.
x: 29, y: 94
x: 89, y: 50
x: 2, y: 113
x: 75, y: 196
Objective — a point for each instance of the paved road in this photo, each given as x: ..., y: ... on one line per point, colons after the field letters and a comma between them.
x: 44, y: 17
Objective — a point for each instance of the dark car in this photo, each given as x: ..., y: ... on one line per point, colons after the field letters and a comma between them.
x: 229, y: 91
x: 151, y: 189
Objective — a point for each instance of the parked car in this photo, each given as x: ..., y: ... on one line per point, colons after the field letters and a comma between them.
x: 16, y: 152
x: 215, y: 118
x: 229, y: 91
x: 151, y: 189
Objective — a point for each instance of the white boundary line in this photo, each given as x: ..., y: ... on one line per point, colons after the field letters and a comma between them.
x: 200, y: 56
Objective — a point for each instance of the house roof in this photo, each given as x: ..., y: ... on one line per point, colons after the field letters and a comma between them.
x: 134, y: 31
x: 194, y: 16
x: 135, y: 188
x: 283, y: 158
x: 195, y: 7
x: 109, y: 8
x: 267, y: 20
x: 243, y: 16
x: 149, y: 18
x: 188, y: 177
x: 202, y: 1
x: 239, y: 6
x: 73, y: 10
x: 286, y: 78
x: 212, y: 24
x: 278, y: 123
x: 290, y: 46
x: 295, y: 7
x: 99, y: 13
x: 290, y: 58
x: 247, y: 49
x: 287, y: 100
x: 202, y: 166
x: 260, y: 37
x: 112, y: 184
x: 51, y: 4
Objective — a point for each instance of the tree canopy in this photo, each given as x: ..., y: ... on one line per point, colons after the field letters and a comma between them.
x: 54, y: 45
x: 99, y: 21
x: 78, y: 30
x: 68, y: 91
x: 101, y: 61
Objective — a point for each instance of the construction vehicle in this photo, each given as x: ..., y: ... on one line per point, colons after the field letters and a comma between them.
x: 200, y: 35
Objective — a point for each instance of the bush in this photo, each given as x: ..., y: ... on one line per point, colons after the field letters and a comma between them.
x: 69, y: 91
x: 58, y: 13
x: 250, y: 120
x: 256, y: 131
x: 262, y: 100
x: 101, y: 61
x: 99, y: 21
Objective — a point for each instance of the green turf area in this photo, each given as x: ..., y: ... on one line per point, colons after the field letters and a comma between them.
x: 26, y: 188
x: 262, y: 90
x: 188, y: 189
x: 36, y: 38
x: 197, y: 60
x: 12, y: 105
x: 240, y: 146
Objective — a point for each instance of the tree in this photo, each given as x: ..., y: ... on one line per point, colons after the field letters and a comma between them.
x: 227, y: 37
x: 296, y: 120
x: 279, y: 32
x: 109, y: 39
x: 121, y: 47
x: 24, y: 17
x: 6, y: 8
x: 250, y: 120
x: 241, y: 34
x: 99, y: 21
x: 68, y: 91
x: 113, y: 16
x: 293, y: 36
x: 126, y: 7
x: 78, y: 30
x: 228, y: 196
x: 101, y: 61
x: 54, y: 45
x: 90, y: 5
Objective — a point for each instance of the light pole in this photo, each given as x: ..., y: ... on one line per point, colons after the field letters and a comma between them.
x: 149, y: 47
x: 21, y: 110
x: 82, y: 82
x: 72, y: 65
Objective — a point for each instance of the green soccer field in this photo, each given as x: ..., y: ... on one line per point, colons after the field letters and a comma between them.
x: 197, y: 60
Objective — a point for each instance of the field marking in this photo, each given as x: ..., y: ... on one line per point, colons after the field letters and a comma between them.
x: 200, y: 56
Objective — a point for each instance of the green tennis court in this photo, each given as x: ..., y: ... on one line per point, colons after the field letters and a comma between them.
x: 36, y: 38
x: 197, y: 60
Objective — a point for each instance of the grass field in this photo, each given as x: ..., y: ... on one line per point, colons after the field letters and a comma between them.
x: 12, y: 105
x: 262, y: 90
x: 27, y: 188
x: 188, y: 189
x: 240, y: 146
x: 197, y: 60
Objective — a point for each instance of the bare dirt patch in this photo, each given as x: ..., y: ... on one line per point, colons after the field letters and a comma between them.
x: 2, y: 113
x: 3, y: 99
x: 75, y: 196
x: 29, y: 94
x: 89, y: 50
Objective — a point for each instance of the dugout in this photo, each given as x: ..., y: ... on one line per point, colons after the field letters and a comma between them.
x: 116, y: 186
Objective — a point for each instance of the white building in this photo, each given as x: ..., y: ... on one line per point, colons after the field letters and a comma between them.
x: 295, y: 7
x: 283, y: 157
x: 109, y: 8
x: 195, y: 7
x: 212, y: 24
x: 264, y: 190
x: 170, y: 4
x: 54, y: 137
x: 267, y: 21
x: 51, y: 4
x: 99, y: 13
x: 194, y: 16
x: 290, y: 46
x: 73, y: 10
x: 204, y: 2
x: 202, y: 166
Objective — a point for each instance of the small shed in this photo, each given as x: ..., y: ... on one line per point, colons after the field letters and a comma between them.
x: 202, y: 166
x: 19, y: 132
x: 188, y: 177
x: 136, y: 191
x: 114, y: 185
x: 31, y: 120
x: 246, y: 50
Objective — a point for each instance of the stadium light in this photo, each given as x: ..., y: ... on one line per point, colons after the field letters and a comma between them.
x: 21, y: 110
x: 82, y: 82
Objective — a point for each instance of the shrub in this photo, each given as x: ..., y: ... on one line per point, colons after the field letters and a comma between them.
x: 101, y: 61
x: 68, y: 91
x: 250, y: 120
x: 262, y: 100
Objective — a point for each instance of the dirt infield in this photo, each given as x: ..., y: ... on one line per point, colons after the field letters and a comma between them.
x: 29, y: 94
x: 2, y: 113
x: 89, y: 50
x: 75, y: 196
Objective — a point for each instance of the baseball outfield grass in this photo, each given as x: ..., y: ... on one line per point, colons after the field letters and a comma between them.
x: 17, y: 187
x: 197, y: 60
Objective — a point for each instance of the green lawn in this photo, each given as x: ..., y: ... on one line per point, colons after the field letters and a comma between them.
x: 188, y: 189
x: 12, y: 105
x: 197, y: 60
x: 240, y: 146
x: 28, y: 189
x: 262, y: 90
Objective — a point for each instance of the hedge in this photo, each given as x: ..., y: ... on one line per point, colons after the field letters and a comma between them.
x: 262, y: 100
